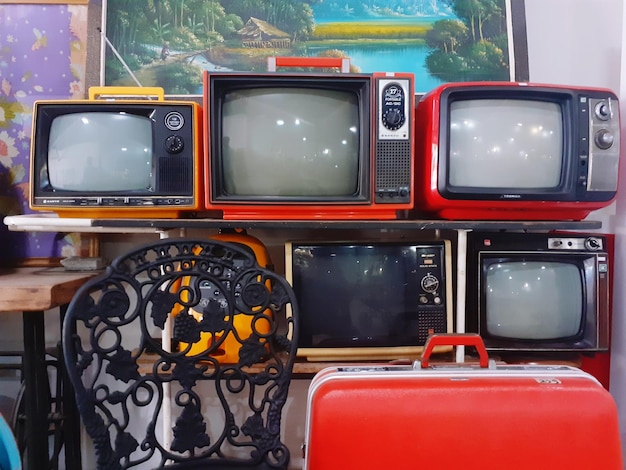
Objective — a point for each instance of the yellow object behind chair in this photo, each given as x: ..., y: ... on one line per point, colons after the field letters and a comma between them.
x: 228, y: 352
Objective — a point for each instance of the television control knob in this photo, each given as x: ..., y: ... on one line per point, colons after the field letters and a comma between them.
x: 604, y: 139
x: 603, y: 111
x: 430, y: 283
x: 593, y: 244
x: 393, y: 119
x: 174, y: 144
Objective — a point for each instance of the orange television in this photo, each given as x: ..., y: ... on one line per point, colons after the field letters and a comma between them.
x: 313, y: 145
x: 128, y: 155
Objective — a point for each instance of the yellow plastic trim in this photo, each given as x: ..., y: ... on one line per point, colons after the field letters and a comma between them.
x: 126, y: 92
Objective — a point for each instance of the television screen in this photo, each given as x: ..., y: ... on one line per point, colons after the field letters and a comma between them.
x: 533, y: 300
x: 100, y: 152
x: 370, y: 294
x: 505, y: 143
x: 300, y: 142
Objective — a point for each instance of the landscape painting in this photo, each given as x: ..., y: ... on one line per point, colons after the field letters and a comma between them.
x: 168, y: 43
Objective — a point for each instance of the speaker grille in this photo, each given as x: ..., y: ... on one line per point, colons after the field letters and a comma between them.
x: 175, y: 175
x: 393, y: 164
x: 435, y: 321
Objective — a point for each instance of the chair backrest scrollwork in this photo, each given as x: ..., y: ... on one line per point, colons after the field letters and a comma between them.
x: 151, y: 389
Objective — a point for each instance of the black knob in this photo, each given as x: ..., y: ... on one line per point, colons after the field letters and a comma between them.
x: 393, y: 119
x: 174, y: 144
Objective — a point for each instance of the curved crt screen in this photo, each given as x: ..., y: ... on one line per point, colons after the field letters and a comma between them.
x: 106, y: 151
x: 291, y: 142
x: 357, y: 295
x: 533, y: 300
x: 505, y: 143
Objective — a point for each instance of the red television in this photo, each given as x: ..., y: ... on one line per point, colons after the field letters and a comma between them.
x: 516, y: 151
x: 308, y: 145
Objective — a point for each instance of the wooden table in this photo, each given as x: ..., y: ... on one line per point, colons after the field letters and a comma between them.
x: 32, y: 291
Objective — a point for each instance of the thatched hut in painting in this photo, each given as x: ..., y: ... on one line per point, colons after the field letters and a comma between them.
x: 258, y: 33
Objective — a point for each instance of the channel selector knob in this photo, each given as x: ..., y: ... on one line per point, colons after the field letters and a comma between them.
x: 604, y: 139
x: 430, y: 283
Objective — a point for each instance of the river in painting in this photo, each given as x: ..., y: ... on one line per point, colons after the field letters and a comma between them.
x: 389, y: 58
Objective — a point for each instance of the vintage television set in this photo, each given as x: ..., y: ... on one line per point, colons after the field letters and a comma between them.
x: 308, y: 145
x: 370, y: 300
x: 511, y: 150
x: 132, y: 155
x: 539, y: 292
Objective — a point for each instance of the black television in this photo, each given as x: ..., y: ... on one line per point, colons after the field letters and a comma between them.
x: 538, y: 292
x: 116, y: 158
x: 370, y: 299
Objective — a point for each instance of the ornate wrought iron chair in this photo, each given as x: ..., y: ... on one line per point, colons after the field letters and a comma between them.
x: 147, y: 394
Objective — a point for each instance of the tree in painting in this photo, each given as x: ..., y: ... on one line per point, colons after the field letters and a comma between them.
x: 169, y: 43
x: 472, y: 47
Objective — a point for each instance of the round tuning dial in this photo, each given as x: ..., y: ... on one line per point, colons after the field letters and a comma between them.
x: 593, y: 244
x: 604, y: 139
x: 174, y: 144
x: 430, y: 283
x: 603, y: 111
x: 394, y: 118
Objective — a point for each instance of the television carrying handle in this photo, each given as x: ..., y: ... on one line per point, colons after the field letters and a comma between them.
x: 321, y: 62
x: 126, y: 92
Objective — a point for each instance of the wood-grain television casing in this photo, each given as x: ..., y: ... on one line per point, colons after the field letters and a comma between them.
x: 539, y: 292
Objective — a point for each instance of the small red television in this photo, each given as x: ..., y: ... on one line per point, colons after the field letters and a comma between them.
x: 124, y: 152
x: 516, y: 151
x: 308, y: 145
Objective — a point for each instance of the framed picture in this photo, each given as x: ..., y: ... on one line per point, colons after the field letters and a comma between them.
x: 169, y: 43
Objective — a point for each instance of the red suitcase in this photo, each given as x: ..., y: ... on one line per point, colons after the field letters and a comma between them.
x: 460, y: 416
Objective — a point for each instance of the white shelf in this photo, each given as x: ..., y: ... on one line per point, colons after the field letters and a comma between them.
x: 50, y: 222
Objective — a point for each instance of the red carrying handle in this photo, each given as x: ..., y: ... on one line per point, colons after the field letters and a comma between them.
x: 455, y: 339
x: 321, y: 62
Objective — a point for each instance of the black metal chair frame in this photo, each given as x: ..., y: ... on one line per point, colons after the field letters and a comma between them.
x: 119, y: 362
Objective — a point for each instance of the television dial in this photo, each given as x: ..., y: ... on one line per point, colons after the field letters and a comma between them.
x: 430, y: 283
x: 593, y: 244
x: 604, y: 139
x: 174, y: 144
x: 603, y: 111
x: 393, y: 106
x: 394, y: 118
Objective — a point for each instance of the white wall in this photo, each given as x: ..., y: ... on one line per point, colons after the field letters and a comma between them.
x: 579, y: 42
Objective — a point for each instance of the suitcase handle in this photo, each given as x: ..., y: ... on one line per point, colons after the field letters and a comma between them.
x: 455, y: 339
x: 320, y: 62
